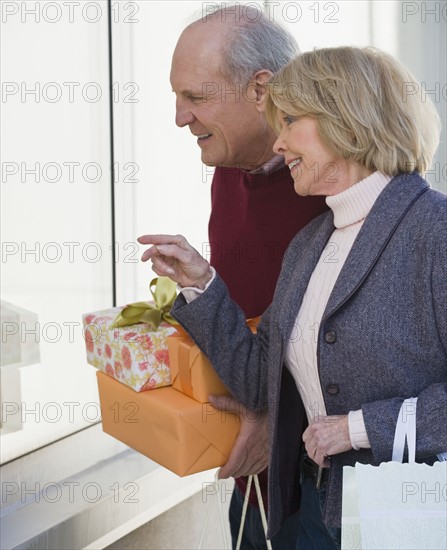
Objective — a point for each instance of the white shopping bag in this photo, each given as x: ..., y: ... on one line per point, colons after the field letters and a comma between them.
x: 396, y: 506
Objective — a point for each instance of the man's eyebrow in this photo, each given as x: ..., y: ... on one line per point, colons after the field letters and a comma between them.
x: 187, y: 92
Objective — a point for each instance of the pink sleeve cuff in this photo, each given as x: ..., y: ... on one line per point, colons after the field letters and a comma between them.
x: 191, y: 293
x: 357, y: 430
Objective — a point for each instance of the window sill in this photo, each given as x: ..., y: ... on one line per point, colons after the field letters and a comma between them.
x: 85, y: 491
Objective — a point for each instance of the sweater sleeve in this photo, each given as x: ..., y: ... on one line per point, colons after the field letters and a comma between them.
x: 218, y: 327
x: 431, y: 411
x: 190, y: 293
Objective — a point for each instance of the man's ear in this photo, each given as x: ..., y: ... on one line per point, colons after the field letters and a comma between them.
x: 258, y: 82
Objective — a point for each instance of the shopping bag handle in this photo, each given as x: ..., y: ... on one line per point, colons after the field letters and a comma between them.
x: 251, y: 478
x: 405, y: 431
x: 261, y: 511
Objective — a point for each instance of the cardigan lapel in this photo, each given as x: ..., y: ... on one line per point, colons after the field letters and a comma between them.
x: 291, y: 289
x: 385, y: 216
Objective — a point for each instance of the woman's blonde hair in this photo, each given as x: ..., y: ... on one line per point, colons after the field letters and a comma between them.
x: 368, y: 107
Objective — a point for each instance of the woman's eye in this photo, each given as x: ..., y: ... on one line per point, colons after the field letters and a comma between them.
x: 289, y: 119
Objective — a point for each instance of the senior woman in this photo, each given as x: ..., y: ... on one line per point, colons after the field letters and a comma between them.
x: 359, y: 314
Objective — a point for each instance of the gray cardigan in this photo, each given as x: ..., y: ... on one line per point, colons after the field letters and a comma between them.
x: 382, y: 338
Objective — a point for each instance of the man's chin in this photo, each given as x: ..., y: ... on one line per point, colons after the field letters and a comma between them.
x: 216, y: 161
x: 208, y: 161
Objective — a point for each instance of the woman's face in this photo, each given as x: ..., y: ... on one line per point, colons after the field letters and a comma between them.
x: 314, y: 168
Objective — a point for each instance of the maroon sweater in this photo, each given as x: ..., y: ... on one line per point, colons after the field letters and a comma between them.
x: 253, y: 219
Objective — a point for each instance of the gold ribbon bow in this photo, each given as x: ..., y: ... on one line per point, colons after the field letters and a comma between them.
x: 164, y: 295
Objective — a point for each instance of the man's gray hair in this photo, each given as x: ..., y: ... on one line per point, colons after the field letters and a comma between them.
x: 254, y: 42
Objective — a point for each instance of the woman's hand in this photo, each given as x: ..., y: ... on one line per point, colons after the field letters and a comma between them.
x: 172, y: 256
x: 326, y: 436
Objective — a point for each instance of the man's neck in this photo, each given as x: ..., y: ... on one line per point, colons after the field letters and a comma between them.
x: 274, y: 163
x: 260, y: 156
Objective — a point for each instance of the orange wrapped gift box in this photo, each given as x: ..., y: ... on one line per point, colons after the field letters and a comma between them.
x: 170, y: 428
x: 191, y: 372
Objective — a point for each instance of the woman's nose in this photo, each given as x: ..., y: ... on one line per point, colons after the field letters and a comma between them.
x: 279, y: 147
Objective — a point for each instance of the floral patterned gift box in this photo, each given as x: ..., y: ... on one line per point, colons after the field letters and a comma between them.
x: 129, y: 343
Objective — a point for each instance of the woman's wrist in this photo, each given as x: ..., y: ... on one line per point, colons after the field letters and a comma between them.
x: 203, y: 281
x: 190, y: 293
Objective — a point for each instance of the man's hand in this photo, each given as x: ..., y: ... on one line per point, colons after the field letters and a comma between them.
x: 250, y: 453
x: 174, y: 257
x: 326, y: 436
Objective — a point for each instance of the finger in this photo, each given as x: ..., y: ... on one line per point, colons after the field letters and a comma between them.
x: 309, y: 433
x: 311, y: 449
x: 162, y: 254
x: 185, y: 255
x: 321, y: 458
x: 163, y: 269
x: 149, y: 253
x: 306, y: 434
x: 245, y: 469
x: 318, y: 457
x: 161, y: 239
x: 235, y: 461
x: 172, y: 251
x: 252, y: 468
x: 245, y: 466
x: 319, y: 461
x: 259, y: 468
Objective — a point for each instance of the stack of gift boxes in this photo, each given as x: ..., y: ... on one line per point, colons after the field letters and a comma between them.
x: 154, y: 384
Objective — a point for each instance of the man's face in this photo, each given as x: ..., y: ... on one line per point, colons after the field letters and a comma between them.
x: 224, y: 117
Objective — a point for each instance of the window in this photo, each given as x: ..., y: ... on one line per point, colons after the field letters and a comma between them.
x: 56, y: 216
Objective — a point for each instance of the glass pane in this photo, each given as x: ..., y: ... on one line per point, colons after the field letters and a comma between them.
x: 56, y: 216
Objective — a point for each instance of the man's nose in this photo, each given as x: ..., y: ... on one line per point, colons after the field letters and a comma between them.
x: 183, y: 115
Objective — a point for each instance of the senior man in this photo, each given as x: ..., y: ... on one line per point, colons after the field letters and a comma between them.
x: 218, y: 74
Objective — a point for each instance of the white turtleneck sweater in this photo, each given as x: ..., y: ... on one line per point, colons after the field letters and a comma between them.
x: 350, y: 208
